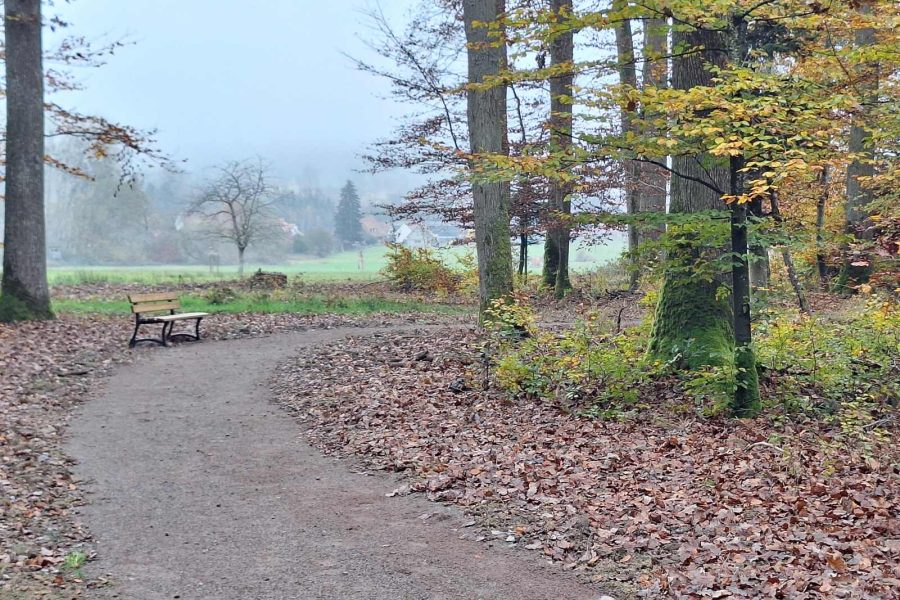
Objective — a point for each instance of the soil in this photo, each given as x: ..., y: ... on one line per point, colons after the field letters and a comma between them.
x: 201, y: 488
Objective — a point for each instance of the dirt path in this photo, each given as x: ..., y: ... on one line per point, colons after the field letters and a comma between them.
x: 203, y: 489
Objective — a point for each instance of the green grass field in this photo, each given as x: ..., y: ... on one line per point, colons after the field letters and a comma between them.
x: 342, y: 266
x: 313, y: 305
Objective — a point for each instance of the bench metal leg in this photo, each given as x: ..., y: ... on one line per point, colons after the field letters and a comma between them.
x: 161, y: 340
x: 195, y: 336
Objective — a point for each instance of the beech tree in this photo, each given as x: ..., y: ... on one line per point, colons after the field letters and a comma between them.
x: 486, y: 116
x: 25, y: 293
x: 556, y: 246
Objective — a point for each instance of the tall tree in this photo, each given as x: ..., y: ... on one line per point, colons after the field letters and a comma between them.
x: 486, y: 115
x: 562, y: 49
x: 693, y: 320
x: 556, y: 245
x: 655, y: 74
x: 25, y: 292
x: 347, y: 224
x: 857, y: 267
x: 628, y: 81
x: 237, y: 204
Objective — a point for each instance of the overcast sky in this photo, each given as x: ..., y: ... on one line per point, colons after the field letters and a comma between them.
x: 229, y: 79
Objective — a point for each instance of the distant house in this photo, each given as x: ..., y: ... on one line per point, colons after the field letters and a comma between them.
x: 424, y: 234
x: 375, y: 228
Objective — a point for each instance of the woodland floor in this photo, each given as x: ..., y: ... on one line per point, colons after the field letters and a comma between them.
x: 198, y: 488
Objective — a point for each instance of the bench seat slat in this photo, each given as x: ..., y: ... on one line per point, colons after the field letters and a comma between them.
x: 180, y: 316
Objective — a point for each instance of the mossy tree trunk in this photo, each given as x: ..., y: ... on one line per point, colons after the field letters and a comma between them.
x: 25, y: 293
x: 693, y: 324
x: 487, y: 120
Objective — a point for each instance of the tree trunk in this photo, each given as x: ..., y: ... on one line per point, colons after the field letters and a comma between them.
x: 857, y: 268
x: 693, y: 323
x: 655, y: 73
x: 559, y: 235
x: 523, y: 254
x: 241, y: 262
x: 789, y: 263
x: 628, y: 79
x: 25, y: 292
x: 822, y: 200
x: 746, y: 402
x: 486, y: 112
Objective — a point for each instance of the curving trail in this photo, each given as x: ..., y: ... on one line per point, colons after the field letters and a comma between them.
x: 202, y: 488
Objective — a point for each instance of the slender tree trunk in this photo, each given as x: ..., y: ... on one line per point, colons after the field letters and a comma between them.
x: 25, y: 292
x: 559, y: 235
x: 628, y: 79
x: 789, y: 263
x: 655, y: 73
x: 821, y: 202
x: 857, y: 268
x: 241, y: 262
x: 486, y: 111
x: 523, y: 254
x: 693, y: 323
x: 746, y: 402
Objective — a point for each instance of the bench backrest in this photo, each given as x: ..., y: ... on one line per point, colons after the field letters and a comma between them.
x: 147, y: 303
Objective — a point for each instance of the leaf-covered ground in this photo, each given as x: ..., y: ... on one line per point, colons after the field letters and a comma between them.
x: 46, y: 370
x: 664, y: 506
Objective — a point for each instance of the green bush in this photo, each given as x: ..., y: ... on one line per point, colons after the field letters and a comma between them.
x: 419, y: 270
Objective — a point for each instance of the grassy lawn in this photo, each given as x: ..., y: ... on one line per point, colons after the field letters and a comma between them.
x: 342, y: 266
x: 312, y: 305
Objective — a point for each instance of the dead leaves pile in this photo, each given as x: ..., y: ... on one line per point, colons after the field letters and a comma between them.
x: 667, y: 506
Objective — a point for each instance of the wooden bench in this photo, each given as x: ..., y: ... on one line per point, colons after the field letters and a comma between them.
x: 159, y: 309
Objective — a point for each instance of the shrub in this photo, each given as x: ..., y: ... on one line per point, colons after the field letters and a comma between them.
x: 419, y: 270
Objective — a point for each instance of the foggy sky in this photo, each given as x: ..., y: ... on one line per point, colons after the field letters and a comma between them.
x: 228, y: 79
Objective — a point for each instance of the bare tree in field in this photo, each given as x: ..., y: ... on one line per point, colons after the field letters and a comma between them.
x: 237, y: 203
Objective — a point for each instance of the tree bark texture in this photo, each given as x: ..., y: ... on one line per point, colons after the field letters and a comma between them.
x: 858, y: 198
x: 693, y: 322
x: 628, y: 79
x: 486, y: 112
x: 556, y: 246
x: 25, y: 292
x: 655, y: 73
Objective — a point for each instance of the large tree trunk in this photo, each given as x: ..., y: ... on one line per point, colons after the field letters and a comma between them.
x: 628, y: 79
x: 655, y: 73
x: 693, y: 323
x: 486, y: 111
x: 25, y: 293
x: 856, y: 269
x: 556, y: 246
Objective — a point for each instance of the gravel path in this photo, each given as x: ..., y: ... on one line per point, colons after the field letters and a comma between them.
x: 201, y: 488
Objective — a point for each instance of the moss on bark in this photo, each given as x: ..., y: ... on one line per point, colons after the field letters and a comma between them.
x: 746, y: 401
x: 692, y: 326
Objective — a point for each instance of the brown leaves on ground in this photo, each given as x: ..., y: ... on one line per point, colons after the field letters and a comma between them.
x: 673, y: 506
x: 47, y: 369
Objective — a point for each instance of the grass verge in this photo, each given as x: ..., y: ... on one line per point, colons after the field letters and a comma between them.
x: 313, y: 305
